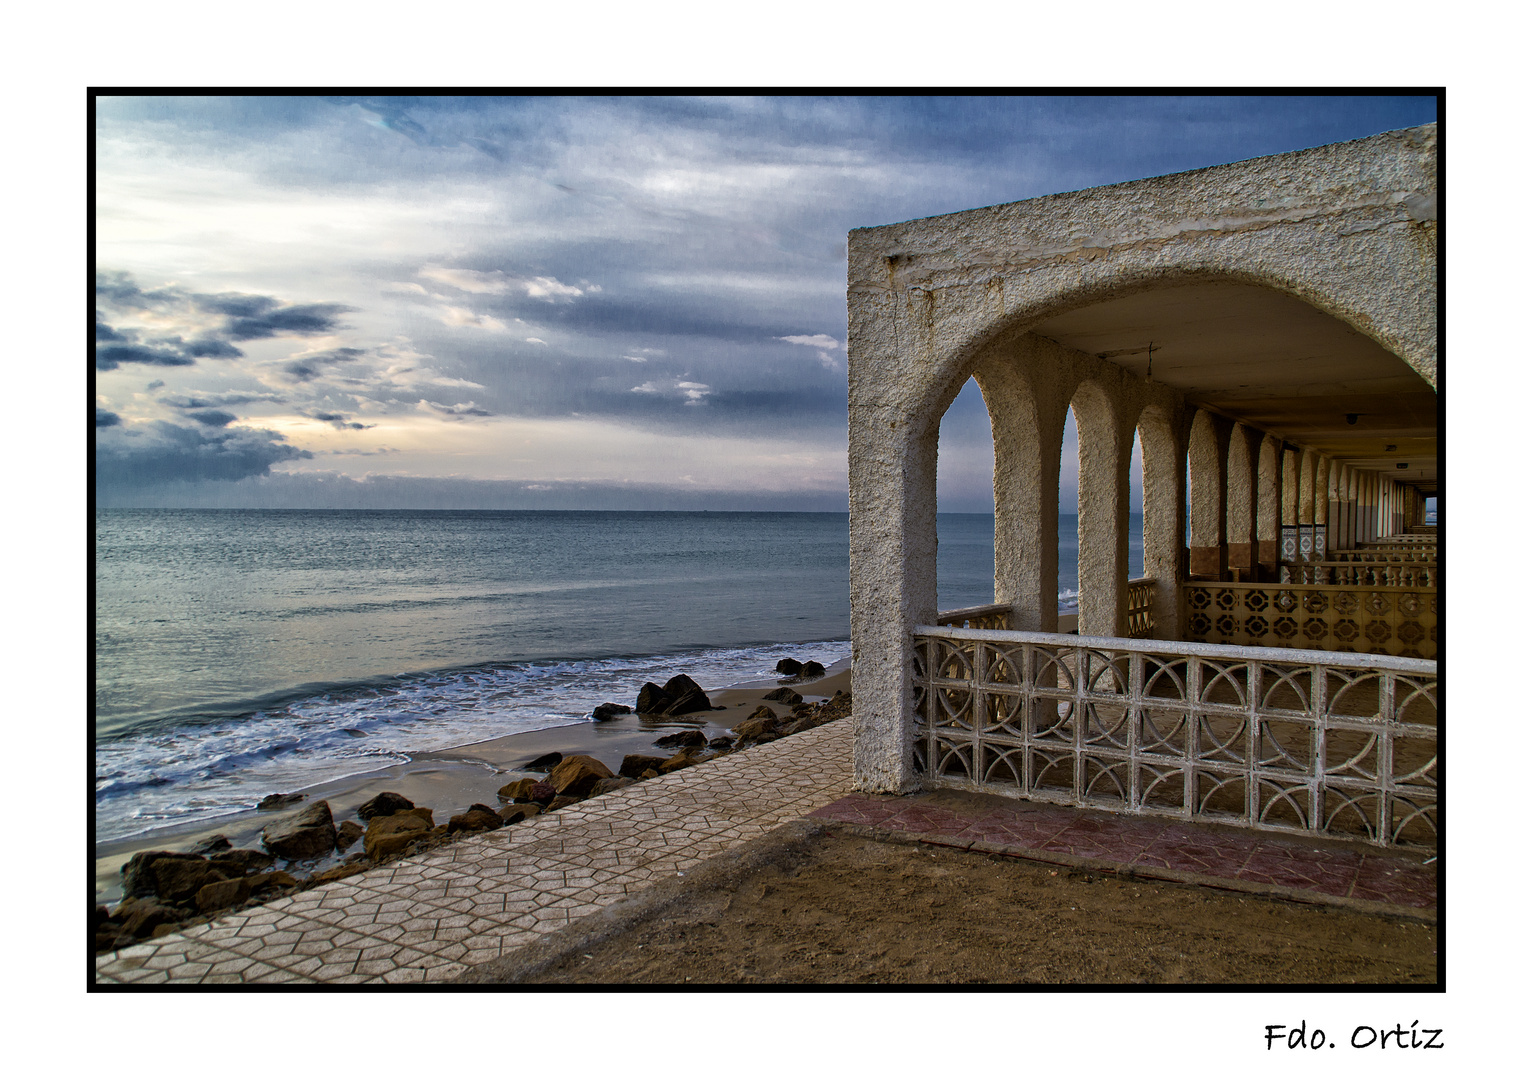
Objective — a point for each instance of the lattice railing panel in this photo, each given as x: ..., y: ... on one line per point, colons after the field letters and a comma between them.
x: 1141, y: 608
x: 1311, y: 743
x: 1331, y: 618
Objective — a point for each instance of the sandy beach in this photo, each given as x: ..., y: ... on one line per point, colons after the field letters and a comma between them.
x: 449, y: 781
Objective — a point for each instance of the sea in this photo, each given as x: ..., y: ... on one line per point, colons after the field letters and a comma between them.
x: 243, y: 652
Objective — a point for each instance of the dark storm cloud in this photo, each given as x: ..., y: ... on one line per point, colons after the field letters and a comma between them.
x: 213, y: 417
x: 107, y: 419
x: 244, y: 317
x: 339, y: 421
x: 114, y: 356
x: 296, y: 319
x: 161, y: 453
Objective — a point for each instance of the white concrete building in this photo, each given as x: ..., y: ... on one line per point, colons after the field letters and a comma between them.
x: 1269, y: 328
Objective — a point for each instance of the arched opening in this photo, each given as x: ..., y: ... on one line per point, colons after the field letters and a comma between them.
x: 1069, y: 523
x: 965, y: 503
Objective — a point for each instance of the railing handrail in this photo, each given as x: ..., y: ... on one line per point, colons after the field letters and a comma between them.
x: 970, y: 612
x: 1191, y: 648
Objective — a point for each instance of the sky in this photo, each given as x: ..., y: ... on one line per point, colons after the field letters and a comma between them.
x: 559, y: 302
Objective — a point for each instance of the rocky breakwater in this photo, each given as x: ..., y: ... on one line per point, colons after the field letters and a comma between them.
x: 164, y: 891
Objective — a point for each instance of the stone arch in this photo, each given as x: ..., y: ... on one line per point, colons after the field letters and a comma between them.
x: 1350, y: 229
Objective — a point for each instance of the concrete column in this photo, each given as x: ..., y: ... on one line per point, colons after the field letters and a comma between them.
x: 1290, y: 513
x: 1308, y: 461
x: 1240, y: 509
x: 1354, y: 518
x: 1269, y: 492
x: 1208, y: 452
x: 1163, y: 444
x: 1022, y: 389
x: 1334, y: 500
x: 1103, y: 522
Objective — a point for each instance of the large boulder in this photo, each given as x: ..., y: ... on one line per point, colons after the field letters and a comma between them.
x: 577, y: 775
x: 346, y: 834
x: 652, y: 699
x: 477, y: 818
x: 139, y: 917
x: 519, y: 789
x: 608, y: 709
x: 812, y: 669
x: 544, y: 763
x: 838, y: 707
x: 212, y: 845
x: 789, y: 666
x: 148, y: 872
x: 690, y: 737
x: 785, y: 694
x: 222, y: 894
x: 388, y: 836
x: 685, y: 696
x: 754, y: 730
x: 277, y: 802
x: 763, y: 712
x: 241, y: 861
x: 306, y: 834
x: 612, y: 783
x: 382, y: 805
x: 634, y: 764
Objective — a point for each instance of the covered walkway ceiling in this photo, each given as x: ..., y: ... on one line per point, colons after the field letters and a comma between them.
x: 1265, y: 358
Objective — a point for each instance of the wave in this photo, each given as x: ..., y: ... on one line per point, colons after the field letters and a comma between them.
x: 197, y: 768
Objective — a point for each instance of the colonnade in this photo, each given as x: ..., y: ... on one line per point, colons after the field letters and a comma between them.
x: 1257, y: 502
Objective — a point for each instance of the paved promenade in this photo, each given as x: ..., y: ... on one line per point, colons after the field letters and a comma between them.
x: 428, y: 917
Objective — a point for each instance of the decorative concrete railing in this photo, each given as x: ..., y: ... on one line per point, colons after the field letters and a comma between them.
x: 1410, y: 575
x: 1317, y: 743
x: 984, y: 617
x: 1389, y: 553
x: 1339, y: 618
x: 1141, y: 604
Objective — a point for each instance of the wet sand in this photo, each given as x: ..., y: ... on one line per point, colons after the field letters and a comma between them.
x: 449, y: 781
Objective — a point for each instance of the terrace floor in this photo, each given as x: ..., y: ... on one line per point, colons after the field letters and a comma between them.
x: 430, y: 917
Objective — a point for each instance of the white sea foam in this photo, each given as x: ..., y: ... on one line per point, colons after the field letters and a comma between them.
x: 200, y: 771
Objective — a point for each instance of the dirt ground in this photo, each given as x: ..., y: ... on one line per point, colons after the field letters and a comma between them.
x: 815, y: 903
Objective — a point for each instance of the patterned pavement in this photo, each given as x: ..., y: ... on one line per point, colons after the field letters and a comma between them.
x: 1148, y: 847
x: 429, y: 917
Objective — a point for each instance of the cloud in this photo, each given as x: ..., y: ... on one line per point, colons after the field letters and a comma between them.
x: 339, y: 421
x: 212, y: 320
x: 553, y: 290
x: 692, y: 393
x: 107, y: 419
x: 213, y: 417
x: 818, y: 341
x: 495, y: 282
x: 159, y: 452
x: 212, y: 401
x: 457, y: 316
x: 498, y: 283
x: 114, y: 356
x: 454, y: 412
